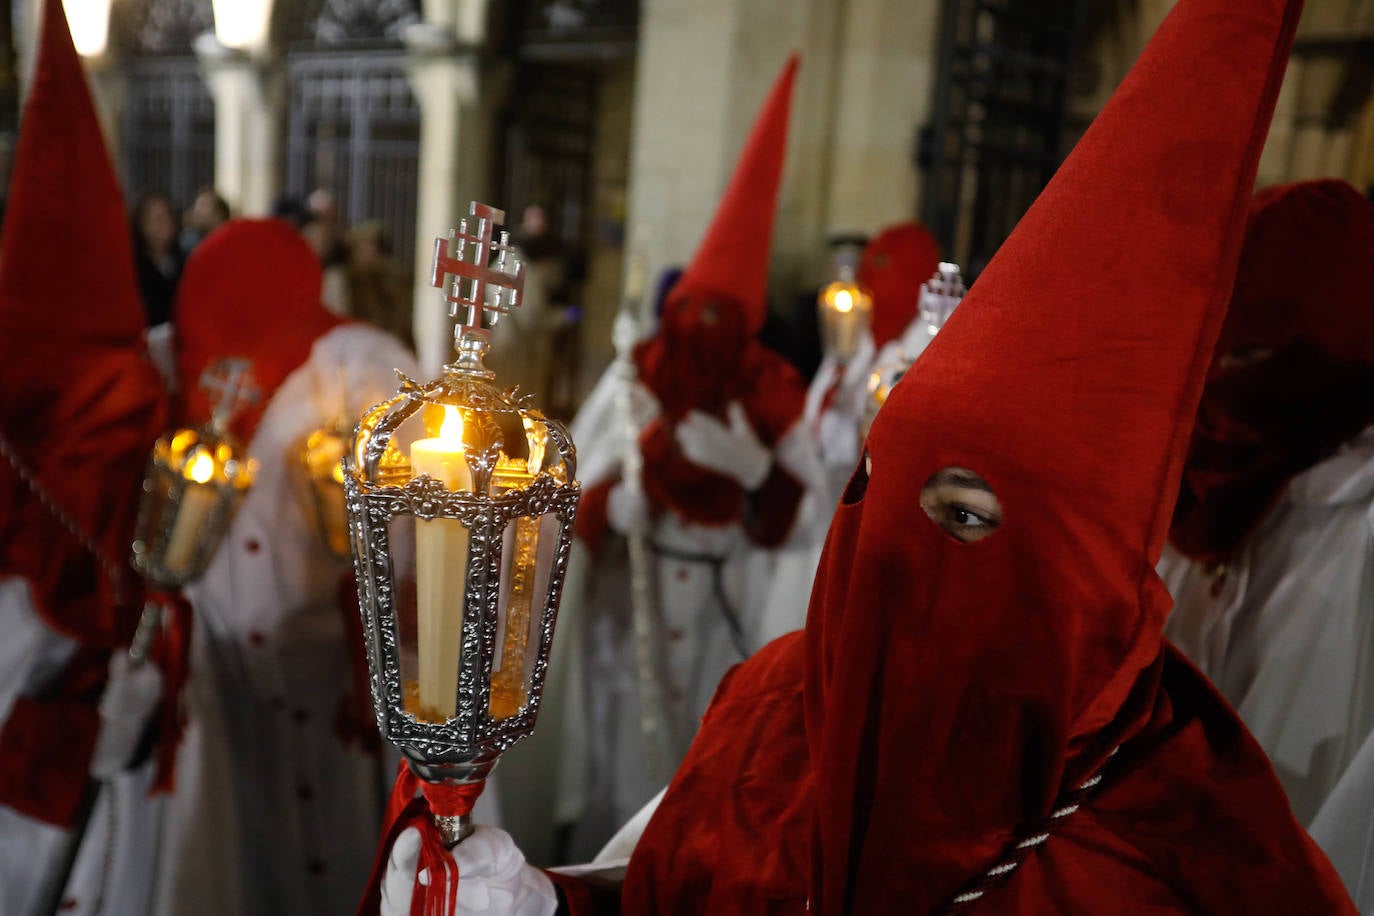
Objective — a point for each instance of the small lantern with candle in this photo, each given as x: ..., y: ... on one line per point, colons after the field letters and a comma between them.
x: 461, y: 498
x: 195, y: 480
x: 321, y: 460
x: 845, y: 305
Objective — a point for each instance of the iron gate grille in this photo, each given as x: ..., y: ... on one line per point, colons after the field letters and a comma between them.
x: 997, y: 120
x: 167, y: 131
x: 548, y: 148
x: 355, y: 130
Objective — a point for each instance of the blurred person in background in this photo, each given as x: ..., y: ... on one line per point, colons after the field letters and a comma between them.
x: 158, y: 257
x: 379, y: 287
x: 207, y: 212
x: 333, y: 260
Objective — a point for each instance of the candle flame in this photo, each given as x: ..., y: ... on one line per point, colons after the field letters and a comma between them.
x: 844, y: 301
x: 451, y: 430
x: 201, y: 468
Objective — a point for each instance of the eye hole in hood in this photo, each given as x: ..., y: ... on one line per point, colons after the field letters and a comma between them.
x: 961, y: 504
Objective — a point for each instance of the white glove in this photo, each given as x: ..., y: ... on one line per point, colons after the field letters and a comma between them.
x: 627, y: 510
x: 733, y: 450
x: 131, y: 695
x: 839, y: 439
x: 492, y: 877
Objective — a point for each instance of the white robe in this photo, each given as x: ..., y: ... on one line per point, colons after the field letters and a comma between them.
x: 597, y: 756
x: 832, y: 433
x: 1287, y: 633
x: 1344, y: 828
x: 113, y: 870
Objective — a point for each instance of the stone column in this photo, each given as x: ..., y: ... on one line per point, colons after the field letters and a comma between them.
x: 704, y: 68
x: 443, y: 75
x: 250, y: 102
x: 109, y: 89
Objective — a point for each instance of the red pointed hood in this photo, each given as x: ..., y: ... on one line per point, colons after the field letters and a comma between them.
x: 954, y: 690
x: 731, y: 262
x: 695, y: 358
x: 252, y: 290
x: 80, y: 405
x: 895, y: 264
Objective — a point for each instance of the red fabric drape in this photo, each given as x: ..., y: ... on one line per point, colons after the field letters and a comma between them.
x: 171, y: 651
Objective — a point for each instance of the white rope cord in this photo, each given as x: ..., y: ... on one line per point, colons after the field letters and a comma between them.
x: 1018, y: 853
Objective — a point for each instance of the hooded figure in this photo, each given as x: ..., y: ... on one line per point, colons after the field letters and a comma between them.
x: 80, y: 408
x: 723, y: 478
x: 279, y: 793
x: 982, y: 713
x: 1274, y: 550
x: 894, y: 266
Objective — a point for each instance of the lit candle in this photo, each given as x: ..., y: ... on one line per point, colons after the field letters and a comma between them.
x: 441, y: 564
x: 198, y: 500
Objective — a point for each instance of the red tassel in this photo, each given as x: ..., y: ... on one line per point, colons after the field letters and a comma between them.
x: 172, y: 653
x: 404, y: 810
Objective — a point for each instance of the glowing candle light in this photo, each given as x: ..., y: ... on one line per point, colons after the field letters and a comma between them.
x: 197, y: 502
x: 441, y: 565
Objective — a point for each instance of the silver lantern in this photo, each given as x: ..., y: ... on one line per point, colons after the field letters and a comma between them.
x: 461, y: 498
x: 195, y: 480
x: 939, y: 296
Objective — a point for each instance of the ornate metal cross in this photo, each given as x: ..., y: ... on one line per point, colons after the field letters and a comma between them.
x: 479, y: 283
x: 228, y: 383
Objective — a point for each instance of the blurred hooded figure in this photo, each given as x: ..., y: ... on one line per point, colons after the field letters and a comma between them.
x: 280, y: 781
x: 722, y: 482
x: 80, y: 408
x: 715, y: 416
x: 1272, y: 563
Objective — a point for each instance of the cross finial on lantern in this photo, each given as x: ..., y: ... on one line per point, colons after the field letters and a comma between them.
x: 488, y: 276
x: 228, y: 383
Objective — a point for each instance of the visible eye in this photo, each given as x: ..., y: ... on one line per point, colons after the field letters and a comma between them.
x: 962, y: 504
x: 967, y: 518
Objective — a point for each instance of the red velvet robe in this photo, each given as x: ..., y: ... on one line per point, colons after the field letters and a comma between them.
x: 1141, y: 844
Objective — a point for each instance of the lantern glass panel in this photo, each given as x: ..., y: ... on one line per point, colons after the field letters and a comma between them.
x: 529, y: 548
x: 429, y: 563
